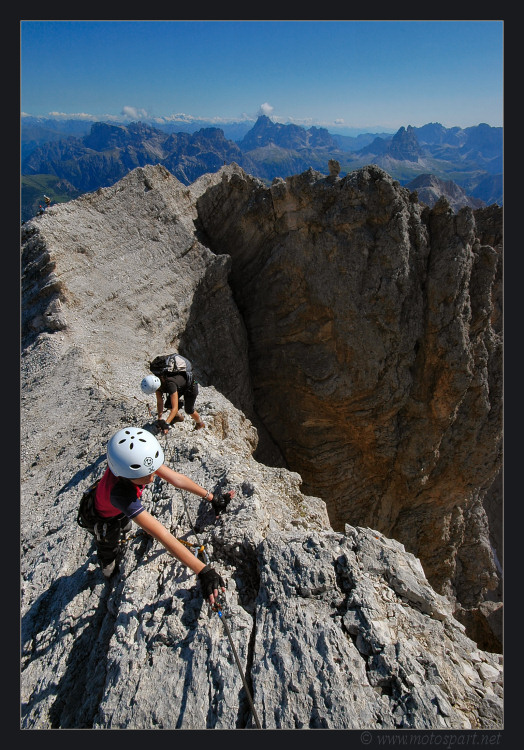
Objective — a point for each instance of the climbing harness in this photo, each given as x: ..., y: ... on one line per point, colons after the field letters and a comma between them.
x: 198, y: 549
x: 220, y: 613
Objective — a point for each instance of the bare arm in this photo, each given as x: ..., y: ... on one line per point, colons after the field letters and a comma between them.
x: 157, y: 530
x: 174, y: 407
x: 150, y: 524
x: 182, y: 482
x: 159, y: 404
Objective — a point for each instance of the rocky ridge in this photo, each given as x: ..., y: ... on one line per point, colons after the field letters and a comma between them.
x: 335, y: 628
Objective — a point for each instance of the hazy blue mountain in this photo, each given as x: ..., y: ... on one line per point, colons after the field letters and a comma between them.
x: 36, y: 131
x: 376, y: 147
x: 108, y: 152
x: 430, y: 188
x: 481, y: 145
x: 233, y: 131
x: 488, y: 188
x: 357, y: 143
x: 404, y: 145
x: 265, y: 132
x: 470, y: 157
x: 434, y: 134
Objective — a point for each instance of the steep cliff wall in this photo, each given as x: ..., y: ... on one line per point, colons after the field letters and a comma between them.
x: 375, y: 353
x: 334, y: 628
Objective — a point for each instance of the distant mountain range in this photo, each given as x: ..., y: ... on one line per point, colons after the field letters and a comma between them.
x: 430, y: 188
x: 71, y: 157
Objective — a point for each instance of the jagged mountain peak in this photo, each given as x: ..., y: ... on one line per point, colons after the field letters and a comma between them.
x: 266, y: 132
x: 404, y: 145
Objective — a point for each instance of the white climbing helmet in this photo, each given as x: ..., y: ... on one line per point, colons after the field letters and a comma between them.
x: 150, y: 384
x: 133, y: 452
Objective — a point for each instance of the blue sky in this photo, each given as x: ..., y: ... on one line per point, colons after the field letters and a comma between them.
x: 335, y: 74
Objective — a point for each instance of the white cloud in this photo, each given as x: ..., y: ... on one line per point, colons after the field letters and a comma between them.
x: 182, y: 117
x: 75, y: 116
x: 265, y: 109
x: 134, y: 113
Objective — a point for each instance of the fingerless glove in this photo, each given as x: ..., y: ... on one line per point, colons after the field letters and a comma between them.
x: 210, y: 580
x: 220, y: 503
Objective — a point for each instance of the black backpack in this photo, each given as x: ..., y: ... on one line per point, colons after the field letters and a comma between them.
x: 171, y: 364
x: 87, y: 517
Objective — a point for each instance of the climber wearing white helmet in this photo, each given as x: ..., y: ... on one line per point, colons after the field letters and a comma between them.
x: 150, y: 384
x: 134, y: 458
x: 173, y: 380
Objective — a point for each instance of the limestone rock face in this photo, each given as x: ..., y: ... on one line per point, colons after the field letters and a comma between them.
x: 343, y: 600
x: 375, y: 354
x: 133, y: 280
x: 334, y: 627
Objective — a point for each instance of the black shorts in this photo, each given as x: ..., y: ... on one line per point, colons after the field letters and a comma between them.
x: 190, y: 395
x: 178, y: 384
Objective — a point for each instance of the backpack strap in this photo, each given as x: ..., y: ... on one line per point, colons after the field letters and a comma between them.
x: 86, y: 516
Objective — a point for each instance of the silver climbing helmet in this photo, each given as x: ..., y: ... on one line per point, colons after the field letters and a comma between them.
x: 133, y: 452
x: 150, y: 384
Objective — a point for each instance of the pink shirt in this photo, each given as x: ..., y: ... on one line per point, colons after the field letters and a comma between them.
x: 111, y: 500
